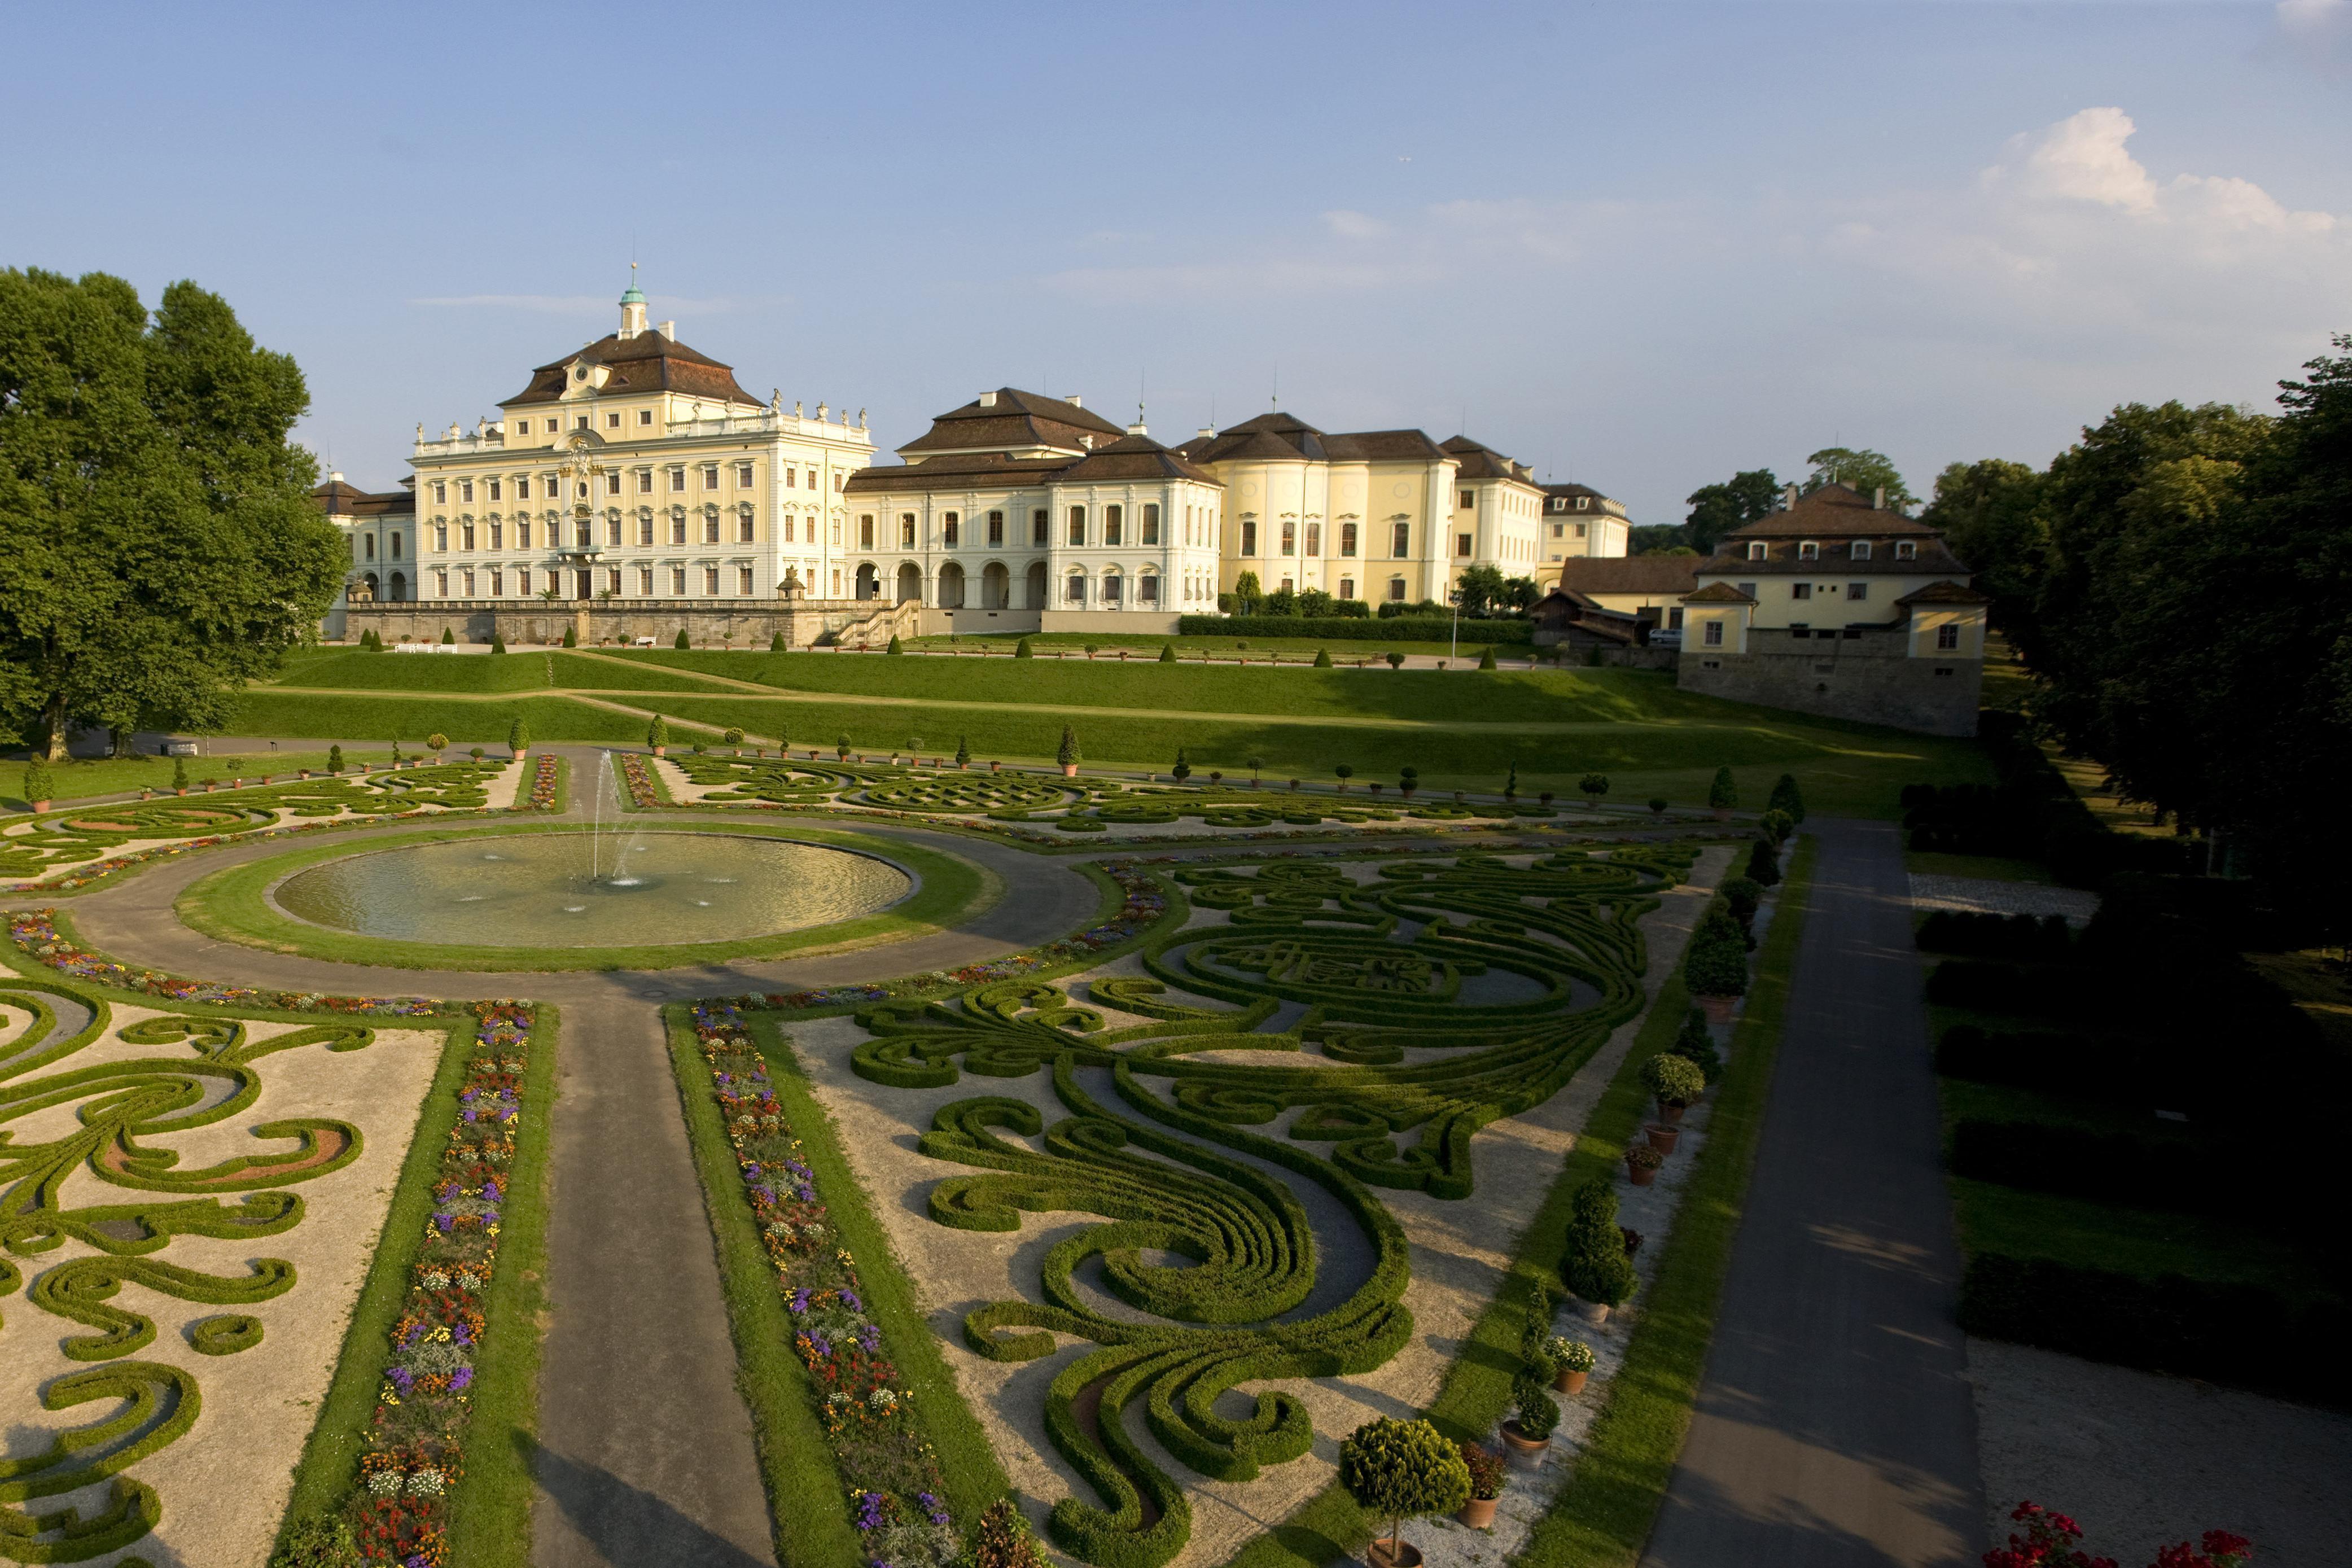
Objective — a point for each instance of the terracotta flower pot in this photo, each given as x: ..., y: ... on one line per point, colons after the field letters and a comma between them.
x: 1571, y: 1382
x: 1520, y: 1442
x: 1663, y: 1136
x: 1594, y: 1313
x: 995, y: 767
x: 1717, y: 1008
x: 1478, y: 1514
x: 1386, y: 1553
x: 1643, y: 1175
x: 1069, y: 769
x: 521, y: 752
x: 1722, y: 813
x: 40, y: 806
x: 1670, y: 1113
x: 661, y: 751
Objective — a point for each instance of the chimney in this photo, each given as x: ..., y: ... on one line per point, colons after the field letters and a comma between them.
x: 668, y: 330
x: 1878, y: 501
x: 1206, y: 432
x: 1073, y: 400
x: 1788, y: 498
x: 334, y: 476
x: 988, y: 400
x: 1137, y: 429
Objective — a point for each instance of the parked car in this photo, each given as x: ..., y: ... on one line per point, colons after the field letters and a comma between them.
x: 1662, y: 638
x: 180, y: 749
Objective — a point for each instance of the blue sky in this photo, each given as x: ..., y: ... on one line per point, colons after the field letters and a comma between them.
x: 1637, y: 246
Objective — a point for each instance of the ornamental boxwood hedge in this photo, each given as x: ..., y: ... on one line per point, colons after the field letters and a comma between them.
x: 1339, y: 629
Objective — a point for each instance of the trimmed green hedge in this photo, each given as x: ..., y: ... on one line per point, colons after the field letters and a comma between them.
x: 1351, y: 628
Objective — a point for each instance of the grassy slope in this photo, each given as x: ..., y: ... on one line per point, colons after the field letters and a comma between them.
x: 88, y: 776
x: 1651, y: 739
x: 1601, y: 1519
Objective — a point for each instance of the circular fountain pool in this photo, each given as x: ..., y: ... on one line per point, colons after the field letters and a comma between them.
x: 580, y: 890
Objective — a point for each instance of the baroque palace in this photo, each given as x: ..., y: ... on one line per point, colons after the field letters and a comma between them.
x: 633, y: 488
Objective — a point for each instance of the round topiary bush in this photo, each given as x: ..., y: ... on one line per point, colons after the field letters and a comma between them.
x: 1674, y: 1079
x: 1398, y: 1471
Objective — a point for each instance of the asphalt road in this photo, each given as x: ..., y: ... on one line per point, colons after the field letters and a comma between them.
x: 1835, y: 1426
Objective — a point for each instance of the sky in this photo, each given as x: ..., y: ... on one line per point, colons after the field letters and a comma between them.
x: 1641, y: 246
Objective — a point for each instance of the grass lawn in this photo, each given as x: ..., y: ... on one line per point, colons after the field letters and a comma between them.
x: 1373, y: 643
x: 1992, y: 867
x: 86, y: 776
x: 231, y: 904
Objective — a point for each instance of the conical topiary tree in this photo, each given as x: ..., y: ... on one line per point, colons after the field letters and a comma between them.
x: 498, y: 643
x: 1182, y: 770
x: 657, y: 732
x: 41, y: 785
x: 1068, y: 754
x: 1715, y: 963
x: 446, y: 636
x: 1594, y: 1263
x: 1486, y: 658
x: 1787, y: 798
x: 776, y: 643
x: 517, y: 736
x: 1763, y: 863
x: 1023, y: 650
x: 896, y: 645
x: 1693, y: 1042
x: 681, y: 641
x: 964, y: 752
x: 1322, y: 659
x: 572, y: 637
x: 1167, y: 653
x: 1723, y: 794
x: 1398, y: 1471
x: 180, y: 775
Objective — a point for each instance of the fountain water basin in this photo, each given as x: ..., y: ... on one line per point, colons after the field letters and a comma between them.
x: 586, y: 889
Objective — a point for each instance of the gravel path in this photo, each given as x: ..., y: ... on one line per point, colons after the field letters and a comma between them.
x: 1987, y: 895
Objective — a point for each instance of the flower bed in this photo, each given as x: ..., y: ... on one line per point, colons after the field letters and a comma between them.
x: 416, y: 1444
x: 643, y: 793
x: 36, y: 934
x: 895, y: 1488
x: 543, y: 774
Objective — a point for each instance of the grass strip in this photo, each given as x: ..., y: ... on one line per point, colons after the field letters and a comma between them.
x: 975, y: 1476
x: 1602, y: 1517
x: 232, y: 904
x: 806, y: 1498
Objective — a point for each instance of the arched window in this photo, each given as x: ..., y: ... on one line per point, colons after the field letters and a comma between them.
x: 1808, y: 551
x: 1114, y: 588
x: 1314, y: 539
x: 1146, y: 588
x: 1074, y: 591
x: 1290, y: 537
x: 1348, y: 540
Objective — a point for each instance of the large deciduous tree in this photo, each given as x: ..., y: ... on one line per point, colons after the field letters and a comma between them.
x: 1991, y: 513
x: 158, y: 543
x: 1716, y: 509
x: 1862, y: 469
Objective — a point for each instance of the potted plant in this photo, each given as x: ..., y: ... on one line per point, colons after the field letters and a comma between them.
x: 436, y: 744
x: 1594, y: 1266
x: 657, y: 736
x: 1529, y: 1432
x: 179, y: 775
x: 1676, y: 1082
x: 963, y: 754
x: 1658, y: 805
x: 1641, y: 1164
x: 1067, y: 755
x: 40, y: 788
x: 1714, y: 966
x: 1399, y: 1470
x: 1571, y: 1363
x: 1408, y: 780
x: 519, y: 739
x: 1343, y: 771
x: 734, y: 737
x: 1488, y: 1475
x: 1663, y: 1136
x: 335, y: 760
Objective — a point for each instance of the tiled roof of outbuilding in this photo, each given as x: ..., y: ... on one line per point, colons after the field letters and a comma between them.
x: 1718, y: 594
x: 1832, y: 510
x: 1629, y: 574
x: 1943, y: 593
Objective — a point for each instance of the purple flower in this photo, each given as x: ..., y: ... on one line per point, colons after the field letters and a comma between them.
x: 849, y: 1300
x: 463, y: 1335
x: 469, y: 1116
x: 806, y: 1193
x: 403, y: 1379
x: 464, y: 1377
x: 445, y: 1221
x: 800, y: 1301
x: 490, y: 1191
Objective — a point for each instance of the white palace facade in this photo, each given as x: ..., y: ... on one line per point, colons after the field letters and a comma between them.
x: 633, y: 488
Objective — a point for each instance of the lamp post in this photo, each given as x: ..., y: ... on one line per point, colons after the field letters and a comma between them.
x: 1453, y: 597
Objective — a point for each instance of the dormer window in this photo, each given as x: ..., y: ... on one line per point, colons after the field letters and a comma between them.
x: 1582, y: 503
x: 1559, y: 503
x: 1905, y: 550
x: 1860, y: 550
x: 1808, y: 551
x: 1756, y: 550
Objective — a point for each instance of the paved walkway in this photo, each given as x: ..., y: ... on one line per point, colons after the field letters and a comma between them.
x: 1835, y: 1426
x: 646, y: 1453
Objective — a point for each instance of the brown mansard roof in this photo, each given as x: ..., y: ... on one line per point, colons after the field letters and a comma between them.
x: 1479, y: 461
x: 338, y: 498
x: 1017, y: 418
x: 1130, y: 457
x: 1279, y: 437
x: 1833, y: 510
x: 1629, y: 574
x: 1135, y: 457
x: 644, y: 364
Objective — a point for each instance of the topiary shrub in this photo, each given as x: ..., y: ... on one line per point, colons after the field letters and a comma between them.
x: 1695, y: 1043
x: 1594, y: 1263
x: 1764, y: 863
x: 436, y: 744
x: 657, y: 732
x: 1322, y: 659
x: 1723, y: 794
x: 734, y: 736
x: 498, y: 643
x: 1068, y: 752
x: 1674, y: 1079
x: 896, y: 645
x: 335, y: 757
x: 518, y: 735
x: 1594, y: 787
x: 1486, y: 658
x: 1396, y: 660
x: 776, y: 643
x: 841, y: 748
x: 963, y: 752
x: 41, y: 785
x: 1787, y: 798
x: 1716, y: 963
x: 1023, y: 650
x: 1398, y: 1471
x: 448, y: 636
x: 1777, y: 824
x: 572, y: 637
x: 680, y: 642
x: 1167, y: 653
x: 1182, y: 770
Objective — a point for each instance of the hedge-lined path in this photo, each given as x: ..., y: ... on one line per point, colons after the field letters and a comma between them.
x: 1835, y: 1425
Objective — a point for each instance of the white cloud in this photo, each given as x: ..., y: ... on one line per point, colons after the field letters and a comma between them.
x: 1349, y: 225
x: 2308, y: 16
x: 2081, y: 158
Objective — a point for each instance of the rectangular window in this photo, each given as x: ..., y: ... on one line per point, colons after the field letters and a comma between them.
x: 1859, y: 550
x: 743, y: 580
x: 1396, y: 590
x: 1674, y: 619
x: 1905, y: 550
x: 1149, y: 592
x: 1856, y: 592
x: 465, y: 536
x: 1347, y: 587
x: 440, y: 493
x: 466, y: 491
x: 677, y: 582
x: 791, y: 479
x: 1151, y: 536
x: 646, y: 582
x: 1469, y: 500
x: 645, y: 529
x: 494, y: 489
x: 1112, y: 588
x: 522, y: 582
x: 1947, y: 636
x: 522, y: 487
x: 440, y: 537
x: 710, y: 476
x: 1290, y: 537
x: 613, y: 531
x: 1078, y: 530
x: 677, y: 529
x: 1249, y: 536
x: 836, y: 543
x: 612, y: 421
x: 1461, y: 544
x: 522, y: 426
x: 711, y: 529
x: 583, y: 533
x: 791, y: 523
x: 1347, y: 540
x: 580, y: 423
x: 523, y: 533
x: 1315, y: 539
x: 677, y: 481
x: 1800, y: 590
x: 1714, y: 635
x: 951, y: 530
x: 747, y: 530
x: 468, y: 578
x: 866, y: 531
x: 995, y: 528
x: 498, y: 584
x: 742, y: 476
x: 440, y: 584
x: 1077, y: 591
x: 1037, y: 526
x: 710, y: 582
x: 1114, y: 531
x: 645, y: 416
x: 613, y: 484
x: 1748, y: 589
x: 905, y: 531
